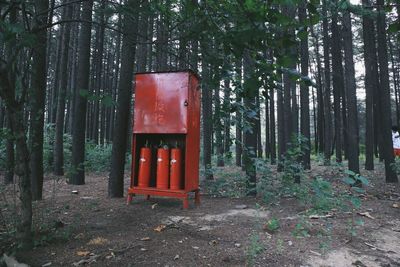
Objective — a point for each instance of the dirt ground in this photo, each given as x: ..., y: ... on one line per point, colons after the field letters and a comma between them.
x: 97, y: 231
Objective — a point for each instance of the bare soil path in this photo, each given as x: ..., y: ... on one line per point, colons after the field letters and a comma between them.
x: 94, y: 230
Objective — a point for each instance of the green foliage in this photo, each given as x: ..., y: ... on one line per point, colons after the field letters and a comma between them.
x: 98, y: 157
x: 292, y: 167
x: 272, y: 225
x: 254, y: 248
x: 302, y: 229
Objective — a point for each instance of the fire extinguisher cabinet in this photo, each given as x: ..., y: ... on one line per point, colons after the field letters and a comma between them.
x: 166, y: 117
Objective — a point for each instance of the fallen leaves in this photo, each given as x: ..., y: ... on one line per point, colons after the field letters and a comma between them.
x: 98, y: 241
x: 160, y: 228
x: 83, y: 253
x: 90, y: 260
x: 366, y: 214
x: 316, y: 216
x: 213, y: 242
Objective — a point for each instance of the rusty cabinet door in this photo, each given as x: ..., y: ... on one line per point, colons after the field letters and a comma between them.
x: 161, y: 102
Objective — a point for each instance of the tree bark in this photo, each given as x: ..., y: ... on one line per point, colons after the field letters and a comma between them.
x: 227, y: 117
x: 238, y: 113
x: 272, y: 125
x: 385, y: 116
x: 207, y: 119
x: 327, y: 89
x: 337, y: 77
x: 217, y: 117
x: 259, y: 148
x: 250, y: 133
x: 351, y: 96
x: 37, y: 99
x: 304, y: 93
x: 59, y: 133
x: 116, y: 180
x: 82, y: 86
x: 320, y: 98
x: 10, y: 157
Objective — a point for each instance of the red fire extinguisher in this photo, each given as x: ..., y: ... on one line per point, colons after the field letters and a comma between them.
x: 162, y: 167
x: 144, y: 167
x: 175, y: 169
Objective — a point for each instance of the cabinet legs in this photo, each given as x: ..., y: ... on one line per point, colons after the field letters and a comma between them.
x: 129, y: 199
x: 183, y: 196
x: 197, y: 197
x: 186, y: 203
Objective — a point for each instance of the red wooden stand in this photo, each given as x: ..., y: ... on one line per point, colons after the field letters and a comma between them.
x: 149, y: 191
x: 167, y: 112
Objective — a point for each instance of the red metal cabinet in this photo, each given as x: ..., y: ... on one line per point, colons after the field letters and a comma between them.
x: 167, y: 112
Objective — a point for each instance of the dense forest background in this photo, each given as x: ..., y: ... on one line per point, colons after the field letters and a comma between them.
x: 282, y: 81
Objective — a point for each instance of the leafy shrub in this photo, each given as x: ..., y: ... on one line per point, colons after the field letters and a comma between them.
x: 98, y: 157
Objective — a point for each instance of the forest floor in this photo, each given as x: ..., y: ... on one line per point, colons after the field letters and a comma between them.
x: 87, y: 228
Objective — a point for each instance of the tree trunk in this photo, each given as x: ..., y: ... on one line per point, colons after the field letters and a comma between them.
x: 116, y: 180
x: 207, y: 117
x: 327, y: 90
x: 351, y: 96
x: 59, y: 133
x: 37, y: 100
x: 217, y: 117
x: 304, y: 94
x: 281, y: 124
x: 238, y: 113
x: 259, y: 148
x: 162, y: 41
x: 2, y: 110
x: 320, y: 98
x: 272, y: 125
x: 250, y: 134
x: 82, y: 86
x: 141, y: 48
x: 10, y: 162
x: 116, y: 76
x: 227, y: 117
x: 337, y: 77
x: 385, y: 116
x: 24, y: 234
x: 267, y: 146
x: 98, y: 70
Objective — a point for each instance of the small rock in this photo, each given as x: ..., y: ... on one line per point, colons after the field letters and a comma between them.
x: 358, y: 263
x: 290, y: 243
x: 213, y: 242
x: 238, y: 245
